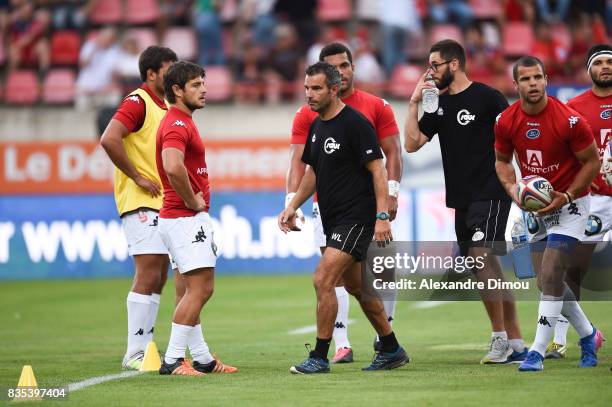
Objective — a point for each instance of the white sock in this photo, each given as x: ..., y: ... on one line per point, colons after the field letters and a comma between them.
x: 137, y: 314
x: 561, y: 329
x: 548, y: 312
x: 500, y: 334
x: 574, y: 314
x: 517, y: 344
x: 198, y: 346
x: 390, y: 308
x: 340, y: 334
x: 178, y: 342
x: 153, y: 308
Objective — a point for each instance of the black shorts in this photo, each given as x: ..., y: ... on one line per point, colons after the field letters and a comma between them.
x: 483, y: 224
x: 352, y: 239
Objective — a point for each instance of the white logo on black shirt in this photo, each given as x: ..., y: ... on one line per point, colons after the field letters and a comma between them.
x: 314, y: 137
x: 330, y: 145
x: 440, y: 112
x: 464, y: 117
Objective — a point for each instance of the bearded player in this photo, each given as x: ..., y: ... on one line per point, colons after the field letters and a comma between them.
x: 380, y: 115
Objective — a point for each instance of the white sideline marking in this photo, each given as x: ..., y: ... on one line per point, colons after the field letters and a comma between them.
x: 99, y: 379
x: 430, y: 304
x: 310, y: 328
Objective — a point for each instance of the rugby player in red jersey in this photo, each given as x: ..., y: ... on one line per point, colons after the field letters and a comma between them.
x: 551, y: 140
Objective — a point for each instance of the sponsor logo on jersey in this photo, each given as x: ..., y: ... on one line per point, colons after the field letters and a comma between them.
x: 572, y: 120
x: 497, y: 118
x: 134, y: 99
x: 533, y: 134
x: 202, y: 170
x: 535, y: 163
x: 385, y: 103
x: 330, y: 145
x: 440, y: 111
x: 604, y: 134
x: 532, y: 224
x: 533, y: 124
x: 606, y: 114
x: 179, y: 123
x: 337, y: 237
x: 314, y: 137
x: 464, y: 117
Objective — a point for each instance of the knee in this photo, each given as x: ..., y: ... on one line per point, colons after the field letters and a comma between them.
x: 321, y: 282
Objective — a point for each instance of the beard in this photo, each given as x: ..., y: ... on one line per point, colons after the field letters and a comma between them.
x: 446, y: 79
x: 601, y: 84
x: 192, y: 106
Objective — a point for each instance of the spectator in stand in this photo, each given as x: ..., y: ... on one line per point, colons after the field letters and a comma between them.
x: 398, y: 19
x: 369, y: 76
x: 442, y: 11
x: 485, y: 63
x: 27, y: 28
x: 95, y: 86
x: 518, y: 11
x: 327, y: 34
x: 558, y: 15
x: 285, y: 65
x: 208, y: 29
x: 173, y: 12
x: 127, y: 73
x: 68, y: 14
x: 258, y: 14
x: 549, y: 51
x: 301, y: 14
x: 249, y: 74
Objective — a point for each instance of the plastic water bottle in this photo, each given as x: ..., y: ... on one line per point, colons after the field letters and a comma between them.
x: 430, y: 96
x: 521, y: 253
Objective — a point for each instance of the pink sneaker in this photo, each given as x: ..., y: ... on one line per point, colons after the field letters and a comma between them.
x: 599, y: 340
x: 344, y: 355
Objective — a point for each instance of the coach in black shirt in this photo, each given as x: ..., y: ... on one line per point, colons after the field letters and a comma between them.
x: 346, y: 168
x: 464, y: 124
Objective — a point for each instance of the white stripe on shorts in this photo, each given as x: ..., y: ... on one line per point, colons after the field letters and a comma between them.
x: 347, y: 237
x: 356, y: 240
x: 488, y: 217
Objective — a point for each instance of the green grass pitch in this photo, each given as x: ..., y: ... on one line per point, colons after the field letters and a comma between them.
x: 74, y: 330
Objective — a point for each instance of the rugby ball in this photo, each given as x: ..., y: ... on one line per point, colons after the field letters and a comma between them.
x: 606, y: 166
x: 534, y: 193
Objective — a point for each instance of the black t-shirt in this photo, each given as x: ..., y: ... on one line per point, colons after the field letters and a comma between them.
x: 338, y: 149
x: 464, y: 122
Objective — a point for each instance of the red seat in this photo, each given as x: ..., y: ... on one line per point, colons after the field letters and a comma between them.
x: 218, y: 84
x: 65, y: 46
x: 143, y: 36
x: 58, y: 87
x: 404, y: 79
x: 106, y: 12
x: 445, y: 32
x: 334, y: 10
x: 183, y: 41
x: 486, y: 9
x: 2, y: 50
x: 517, y: 39
x: 141, y: 11
x: 22, y: 88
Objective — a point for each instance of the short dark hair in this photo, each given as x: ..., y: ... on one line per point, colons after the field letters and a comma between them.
x: 179, y: 73
x: 450, y: 49
x: 152, y: 58
x: 597, y: 48
x: 335, y: 48
x: 526, y: 61
x: 332, y: 76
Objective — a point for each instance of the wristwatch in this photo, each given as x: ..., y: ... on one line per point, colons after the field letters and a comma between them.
x: 383, y: 216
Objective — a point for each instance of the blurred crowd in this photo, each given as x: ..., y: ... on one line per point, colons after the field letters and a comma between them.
x: 256, y: 50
